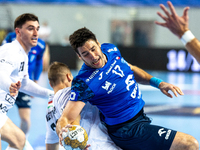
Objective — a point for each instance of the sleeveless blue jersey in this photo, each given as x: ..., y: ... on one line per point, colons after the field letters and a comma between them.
x: 111, y: 88
x: 35, y: 56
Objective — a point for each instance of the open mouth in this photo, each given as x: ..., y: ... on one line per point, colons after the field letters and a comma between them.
x: 34, y: 39
x: 96, y: 62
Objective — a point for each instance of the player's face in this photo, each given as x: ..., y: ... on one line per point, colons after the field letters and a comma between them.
x: 28, y: 34
x: 92, y: 55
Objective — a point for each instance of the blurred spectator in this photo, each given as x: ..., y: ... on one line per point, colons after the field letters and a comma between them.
x: 45, y: 31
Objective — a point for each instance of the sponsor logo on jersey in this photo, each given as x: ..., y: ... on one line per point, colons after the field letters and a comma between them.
x: 100, y: 75
x: 3, y: 108
x: 168, y: 134
x: 10, y: 99
x: 92, y: 75
x: 108, y: 87
x: 34, y: 52
x: 4, y: 61
x: 111, y: 66
x: 51, y: 113
x: 112, y: 49
x: 161, y: 131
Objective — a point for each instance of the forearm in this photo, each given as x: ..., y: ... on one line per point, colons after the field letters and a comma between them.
x: 141, y: 76
x: 63, y: 121
x: 33, y: 89
x: 193, y: 48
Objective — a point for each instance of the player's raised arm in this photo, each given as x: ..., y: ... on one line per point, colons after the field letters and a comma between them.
x: 179, y: 26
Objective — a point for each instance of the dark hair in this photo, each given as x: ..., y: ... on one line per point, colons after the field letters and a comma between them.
x: 79, y: 37
x: 20, y: 20
x: 57, y: 72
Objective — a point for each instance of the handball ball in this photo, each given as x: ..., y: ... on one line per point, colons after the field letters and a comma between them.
x: 75, y: 138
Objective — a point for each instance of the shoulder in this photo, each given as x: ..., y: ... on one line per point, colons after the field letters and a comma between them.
x: 108, y: 47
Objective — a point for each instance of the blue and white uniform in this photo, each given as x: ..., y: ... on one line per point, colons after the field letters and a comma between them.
x: 114, y: 90
x: 112, y: 86
x: 90, y: 121
x: 35, y: 67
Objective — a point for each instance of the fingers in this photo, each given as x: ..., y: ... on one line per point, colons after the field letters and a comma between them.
x: 87, y: 147
x: 166, y: 87
x: 18, y: 84
x: 185, y: 12
x: 172, y: 9
x: 64, y: 129
x: 178, y: 90
x: 14, y: 87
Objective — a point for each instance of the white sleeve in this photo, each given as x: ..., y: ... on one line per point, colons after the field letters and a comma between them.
x: 31, y: 88
x: 5, y: 72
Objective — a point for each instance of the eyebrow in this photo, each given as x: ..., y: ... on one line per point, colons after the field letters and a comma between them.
x: 89, y: 49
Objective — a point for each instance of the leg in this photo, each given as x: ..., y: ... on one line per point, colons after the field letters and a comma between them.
x: 23, y: 103
x: 184, y: 141
x: 24, y: 114
x: 13, y: 135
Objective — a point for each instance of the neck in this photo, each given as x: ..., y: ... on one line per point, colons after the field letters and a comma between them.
x: 59, y: 87
x: 26, y: 49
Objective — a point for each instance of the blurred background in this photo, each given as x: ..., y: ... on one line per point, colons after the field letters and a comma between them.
x: 129, y: 24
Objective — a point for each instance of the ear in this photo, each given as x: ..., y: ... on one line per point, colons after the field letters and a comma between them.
x: 17, y: 31
x: 69, y: 77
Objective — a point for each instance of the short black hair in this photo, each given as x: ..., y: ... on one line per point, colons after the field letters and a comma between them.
x: 80, y: 36
x: 20, y: 20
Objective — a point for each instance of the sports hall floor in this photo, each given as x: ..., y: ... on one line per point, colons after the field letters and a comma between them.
x: 181, y: 113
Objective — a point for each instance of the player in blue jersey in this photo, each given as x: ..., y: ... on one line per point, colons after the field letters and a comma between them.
x: 35, y: 63
x: 109, y: 82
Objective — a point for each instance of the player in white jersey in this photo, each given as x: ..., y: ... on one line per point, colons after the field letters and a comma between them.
x: 60, y: 79
x: 14, y: 77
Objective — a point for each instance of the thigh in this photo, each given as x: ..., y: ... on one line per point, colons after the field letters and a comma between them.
x: 11, y: 133
x: 143, y: 136
x: 23, y: 100
x: 25, y: 113
x: 183, y: 141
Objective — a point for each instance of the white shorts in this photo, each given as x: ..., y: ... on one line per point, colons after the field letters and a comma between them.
x: 3, y: 118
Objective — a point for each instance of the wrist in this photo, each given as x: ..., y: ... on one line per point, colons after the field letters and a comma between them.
x: 187, y: 37
x: 155, y: 82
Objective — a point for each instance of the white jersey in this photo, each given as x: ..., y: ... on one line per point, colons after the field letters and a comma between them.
x: 90, y: 121
x: 14, y: 67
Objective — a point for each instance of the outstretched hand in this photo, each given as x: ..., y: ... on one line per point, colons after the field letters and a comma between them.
x: 166, y: 87
x: 176, y: 24
x: 14, y: 88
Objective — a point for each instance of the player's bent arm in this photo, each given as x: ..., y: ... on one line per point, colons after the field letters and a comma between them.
x: 70, y: 114
x: 54, y: 146
x: 5, y: 81
x: 141, y: 76
x: 31, y: 88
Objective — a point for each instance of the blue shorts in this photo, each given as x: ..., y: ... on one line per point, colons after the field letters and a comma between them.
x: 23, y: 100
x: 139, y: 134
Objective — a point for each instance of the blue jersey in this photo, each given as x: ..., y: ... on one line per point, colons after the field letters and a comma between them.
x: 35, y: 56
x: 111, y: 88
